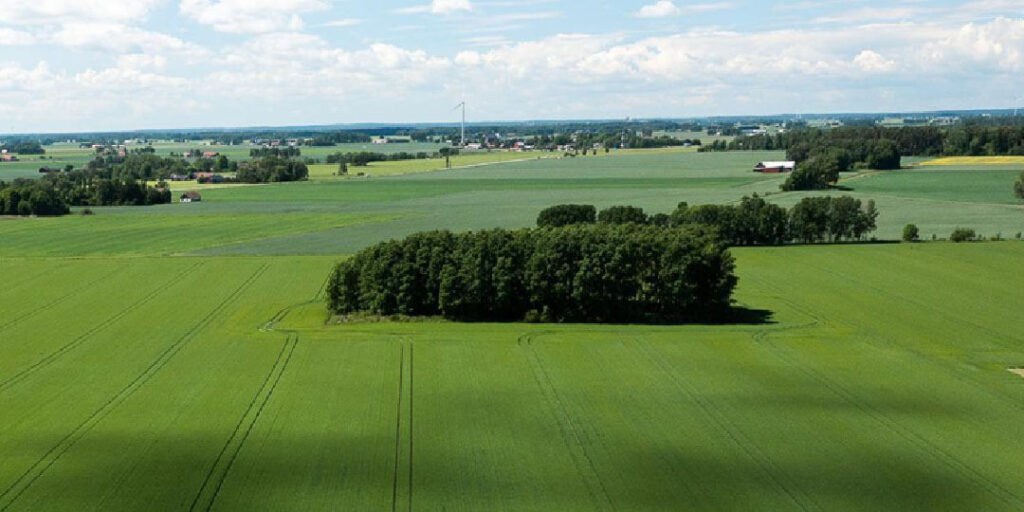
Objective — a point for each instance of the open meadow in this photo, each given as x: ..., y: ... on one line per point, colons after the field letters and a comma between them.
x: 179, y: 357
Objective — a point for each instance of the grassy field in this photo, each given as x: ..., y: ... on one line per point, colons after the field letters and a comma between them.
x: 171, y: 383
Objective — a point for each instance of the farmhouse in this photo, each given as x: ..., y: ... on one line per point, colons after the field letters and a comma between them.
x: 210, y: 154
x: 775, y: 167
x: 191, y: 197
x: 8, y: 158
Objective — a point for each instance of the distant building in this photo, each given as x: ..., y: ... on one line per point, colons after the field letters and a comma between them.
x: 190, y: 197
x: 7, y: 157
x: 381, y: 140
x: 210, y: 154
x: 775, y: 167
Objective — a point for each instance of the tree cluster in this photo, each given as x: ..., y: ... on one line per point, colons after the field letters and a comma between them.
x: 753, y: 221
x: 30, y: 197
x: 581, y: 273
x: 272, y: 169
x: 281, y: 152
x: 92, y: 188
x: 363, y: 158
x: 25, y: 147
x: 1018, y: 187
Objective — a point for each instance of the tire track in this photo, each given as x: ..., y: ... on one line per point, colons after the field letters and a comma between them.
x: 207, y: 495
x: 567, y: 428
x: 55, y: 302
x: 398, y: 426
x: 51, y: 357
x: 922, y: 443
x: 764, y: 462
x: 14, y: 491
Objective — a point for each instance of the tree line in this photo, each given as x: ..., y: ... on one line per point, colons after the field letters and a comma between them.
x: 753, y: 221
x: 30, y: 197
x: 974, y: 138
x: 24, y: 147
x: 1018, y: 187
x: 363, y: 158
x: 579, y: 273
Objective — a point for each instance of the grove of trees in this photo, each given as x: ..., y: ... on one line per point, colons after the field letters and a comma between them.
x: 272, y: 169
x: 30, y: 197
x: 577, y: 273
x: 754, y: 221
x: 1018, y: 187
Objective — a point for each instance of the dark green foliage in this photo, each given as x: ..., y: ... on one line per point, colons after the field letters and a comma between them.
x: 1018, y: 187
x: 272, y: 169
x: 28, y: 197
x: 363, y: 158
x: 883, y: 155
x: 566, y: 214
x: 911, y: 233
x: 579, y: 273
x: 963, y: 235
x: 26, y: 148
x: 753, y: 222
x: 818, y: 172
x: 622, y: 215
x: 828, y: 219
x: 279, y: 152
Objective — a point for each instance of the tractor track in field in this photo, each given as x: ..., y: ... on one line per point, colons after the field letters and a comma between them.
x: 56, y: 354
x: 402, y: 488
x: 56, y: 302
x: 949, y: 368
x: 15, y: 490
x: 775, y: 475
x: 208, y: 492
x: 567, y: 428
x: 928, y: 447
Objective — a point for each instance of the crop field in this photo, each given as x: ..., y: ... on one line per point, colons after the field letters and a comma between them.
x: 968, y: 161
x: 338, y: 216
x: 213, y: 383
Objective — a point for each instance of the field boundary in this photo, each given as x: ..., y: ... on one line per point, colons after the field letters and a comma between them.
x: 14, y: 491
x: 208, y: 493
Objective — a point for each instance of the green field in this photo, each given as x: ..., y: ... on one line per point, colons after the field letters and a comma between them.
x: 177, y: 357
x: 212, y: 383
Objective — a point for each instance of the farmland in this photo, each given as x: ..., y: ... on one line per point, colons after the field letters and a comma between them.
x: 213, y: 383
x: 178, y: 357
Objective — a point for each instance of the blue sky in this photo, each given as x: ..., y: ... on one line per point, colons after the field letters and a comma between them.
x: 83, y: 65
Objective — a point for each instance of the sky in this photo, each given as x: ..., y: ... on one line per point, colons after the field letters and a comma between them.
x: 95, y: 65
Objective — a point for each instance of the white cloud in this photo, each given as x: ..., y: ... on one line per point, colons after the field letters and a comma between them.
x: 10, y: 37
x: 872, y: 62
x: 438, y: 7
x: 667, y: 8
x: 250, y: 16
x: 659, y: 9
x: 118, y: 38
x: 447, y: 6
x: 345, y: 22
x: 29, y: 12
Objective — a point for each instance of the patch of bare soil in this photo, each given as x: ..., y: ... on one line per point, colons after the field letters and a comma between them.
x: 1017, y: 371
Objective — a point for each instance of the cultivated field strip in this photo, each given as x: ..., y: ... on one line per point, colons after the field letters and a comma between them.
x: 207, y: 495
x: 570, y: 432
x: 160, y: 288
x: 12, y: 492
x: 778, y: 478
x: 315, y: 449
x: 7, y: 323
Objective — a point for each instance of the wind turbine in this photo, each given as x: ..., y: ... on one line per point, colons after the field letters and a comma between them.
x: 463, y: 107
